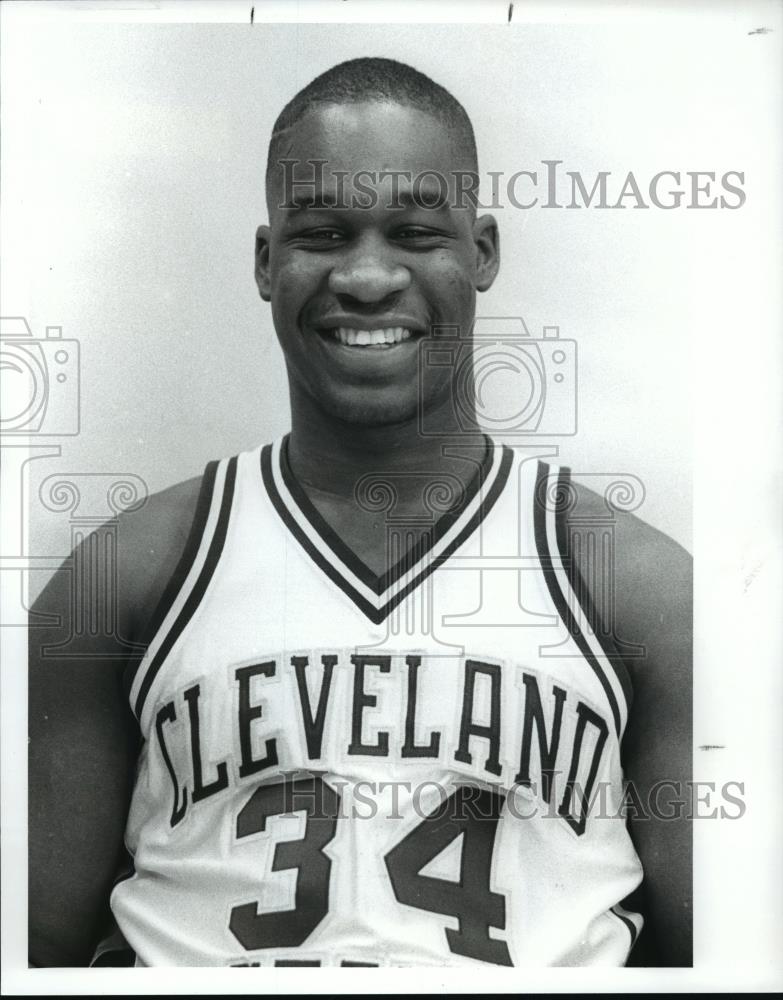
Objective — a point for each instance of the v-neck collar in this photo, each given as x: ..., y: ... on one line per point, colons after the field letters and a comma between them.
x: 376, y: 596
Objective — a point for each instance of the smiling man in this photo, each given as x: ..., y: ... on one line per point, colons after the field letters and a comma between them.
x: 376, y: 717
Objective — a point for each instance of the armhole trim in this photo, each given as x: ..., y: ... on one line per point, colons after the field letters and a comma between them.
x: 190, y: 579
x: 633, y: 923
x: 552, y: 500
x: 630, y: 911
x: 178, y: 577
x: 585, y: 598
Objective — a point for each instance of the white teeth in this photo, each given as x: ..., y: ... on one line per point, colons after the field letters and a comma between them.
x: 371, y: 338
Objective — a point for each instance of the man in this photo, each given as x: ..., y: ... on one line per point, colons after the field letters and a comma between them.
x: 356, y: 736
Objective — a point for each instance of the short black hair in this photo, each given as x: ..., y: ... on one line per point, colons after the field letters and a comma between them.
x: 375, y: 78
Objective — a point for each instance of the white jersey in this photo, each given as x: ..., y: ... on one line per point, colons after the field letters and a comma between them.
x: 340, y: 769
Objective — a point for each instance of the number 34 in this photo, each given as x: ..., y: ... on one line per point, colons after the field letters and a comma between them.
x: 470, y: 812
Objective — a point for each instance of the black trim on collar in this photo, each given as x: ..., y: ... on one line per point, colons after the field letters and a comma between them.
x: 334, y: 557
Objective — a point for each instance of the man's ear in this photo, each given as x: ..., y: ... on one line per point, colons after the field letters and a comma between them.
x: 487, y: 241
x: 263, y: 236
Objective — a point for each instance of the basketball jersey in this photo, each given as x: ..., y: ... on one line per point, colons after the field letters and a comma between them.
x: 337, y: 769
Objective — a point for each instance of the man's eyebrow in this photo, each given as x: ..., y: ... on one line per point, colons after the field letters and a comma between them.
x: 430, y: 197
x: 427, y: 196
x: 305, y: 201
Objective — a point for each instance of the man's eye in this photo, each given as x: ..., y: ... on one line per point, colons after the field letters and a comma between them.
x: 327, y: 234
x: 319, y: 237
x: 418, y: 235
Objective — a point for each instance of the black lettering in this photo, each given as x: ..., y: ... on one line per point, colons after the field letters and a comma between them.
x: 578, y: 823
x: 468, y: 727
x: 362, y: 700
x: 168, y: 714
x: 534, y: 715
x: 411, y: 749
x: 247, y: 713
x: 314, y: 727
x: 200, y: 790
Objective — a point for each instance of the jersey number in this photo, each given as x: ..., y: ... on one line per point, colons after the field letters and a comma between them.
x: 470, y: 813
x: 290, y: 928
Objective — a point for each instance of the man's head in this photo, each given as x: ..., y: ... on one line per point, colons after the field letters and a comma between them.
x: 372, y: 79
x: 371, y: 230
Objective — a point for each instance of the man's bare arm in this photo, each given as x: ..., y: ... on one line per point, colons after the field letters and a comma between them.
x: 653, y: 610
x: 81, y: 755
x: 83, y: 739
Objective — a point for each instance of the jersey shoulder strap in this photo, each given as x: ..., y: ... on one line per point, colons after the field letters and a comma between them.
x: 564, y: 545
x: 189, y: 581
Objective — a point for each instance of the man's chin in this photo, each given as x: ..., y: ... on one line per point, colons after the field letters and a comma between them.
x: 371, y: 411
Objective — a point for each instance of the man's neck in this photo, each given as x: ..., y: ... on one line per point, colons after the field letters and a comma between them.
x: 331, y: 457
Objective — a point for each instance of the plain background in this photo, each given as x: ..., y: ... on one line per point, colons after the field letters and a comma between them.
x: 143, y: 149
x: 127, y: 222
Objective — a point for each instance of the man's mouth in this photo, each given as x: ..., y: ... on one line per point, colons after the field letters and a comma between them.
x: 382, y: 339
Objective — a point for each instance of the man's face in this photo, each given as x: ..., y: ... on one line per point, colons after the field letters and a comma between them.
x: 338, y: 277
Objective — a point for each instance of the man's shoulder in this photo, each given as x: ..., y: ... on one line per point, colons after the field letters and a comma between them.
x: 645, y: 575
x: 154, y: 538
x: 637, y: 541
x: 639, y: 551
x: 151, y: 542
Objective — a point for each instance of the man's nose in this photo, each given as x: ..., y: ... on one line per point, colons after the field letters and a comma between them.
x: 368, y: 274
